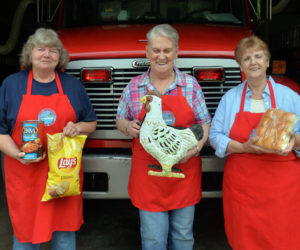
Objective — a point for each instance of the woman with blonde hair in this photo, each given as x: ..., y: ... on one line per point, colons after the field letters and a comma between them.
x: 41, y: 92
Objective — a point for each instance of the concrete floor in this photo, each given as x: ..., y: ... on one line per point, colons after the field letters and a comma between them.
x: 114, y: 225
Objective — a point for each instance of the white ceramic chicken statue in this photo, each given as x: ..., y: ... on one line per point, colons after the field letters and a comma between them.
x: 166, y: 144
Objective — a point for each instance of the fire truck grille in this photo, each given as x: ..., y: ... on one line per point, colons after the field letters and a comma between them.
x: 105, y: 96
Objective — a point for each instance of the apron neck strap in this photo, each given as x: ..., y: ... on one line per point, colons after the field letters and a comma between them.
x: 58, y: 83
x: 29, y: 83
x: 179, y: 89
x: 273, y: 103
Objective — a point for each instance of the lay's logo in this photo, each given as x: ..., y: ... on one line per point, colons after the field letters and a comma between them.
x: 67, y: 163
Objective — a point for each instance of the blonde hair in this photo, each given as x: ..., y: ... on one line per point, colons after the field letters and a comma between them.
x: 44, y: 36
x: 251, y: 42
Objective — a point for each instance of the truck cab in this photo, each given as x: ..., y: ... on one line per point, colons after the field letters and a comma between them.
x: 106, y: 40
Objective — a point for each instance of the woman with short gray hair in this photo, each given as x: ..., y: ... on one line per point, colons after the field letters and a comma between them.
x: 166, y: 202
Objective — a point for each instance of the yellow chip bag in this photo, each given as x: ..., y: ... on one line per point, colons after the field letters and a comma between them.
x: 64, y: 157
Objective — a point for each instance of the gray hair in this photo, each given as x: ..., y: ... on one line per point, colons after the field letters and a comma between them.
x: 42, y: 37
x: 164, y: 30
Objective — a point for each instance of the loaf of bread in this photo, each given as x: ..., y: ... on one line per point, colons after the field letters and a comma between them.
x: 274, y: 129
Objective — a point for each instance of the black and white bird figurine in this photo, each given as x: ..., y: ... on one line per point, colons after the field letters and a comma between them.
x: 165, y: 143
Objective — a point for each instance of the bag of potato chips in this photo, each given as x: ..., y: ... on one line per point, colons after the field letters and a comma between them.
x: 64, y: 157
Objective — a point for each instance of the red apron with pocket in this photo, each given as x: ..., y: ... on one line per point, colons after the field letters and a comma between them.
x: 156, y: 193
x: 261, y: 193
x: 34, y: 220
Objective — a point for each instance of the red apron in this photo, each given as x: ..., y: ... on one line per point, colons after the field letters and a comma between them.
x: 261, y: 193
x: 155, y: 193
x: 34, y: 220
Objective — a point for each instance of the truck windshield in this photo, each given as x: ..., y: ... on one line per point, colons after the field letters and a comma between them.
x: 78, y: 13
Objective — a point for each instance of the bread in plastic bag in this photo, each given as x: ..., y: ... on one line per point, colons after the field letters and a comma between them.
x: 274, y: 129
x: 64, y: 157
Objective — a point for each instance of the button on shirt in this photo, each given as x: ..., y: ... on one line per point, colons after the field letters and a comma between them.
x: 130, y: 105
x: 285, y: 98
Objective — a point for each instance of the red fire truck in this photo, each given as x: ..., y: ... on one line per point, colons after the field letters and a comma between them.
x: 106, y: 40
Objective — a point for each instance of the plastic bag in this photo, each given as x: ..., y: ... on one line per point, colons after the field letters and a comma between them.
x: 274, y: 129
x: 64, y: 157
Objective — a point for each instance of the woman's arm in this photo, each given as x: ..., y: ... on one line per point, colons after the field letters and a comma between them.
x: 122, y: 125
x: 9, y: 147
x: 219, y: 130
x: 205, y: 136
x: 297, y: 142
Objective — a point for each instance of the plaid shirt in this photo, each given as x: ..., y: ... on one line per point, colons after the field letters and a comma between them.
x: 130, y: 105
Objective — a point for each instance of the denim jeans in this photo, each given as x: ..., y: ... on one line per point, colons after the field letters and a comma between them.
x: 61, y: 240
x: 167, y: 230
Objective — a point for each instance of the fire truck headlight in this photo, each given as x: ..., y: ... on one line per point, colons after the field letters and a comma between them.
x: 96, y: 75
x: 209, y: 74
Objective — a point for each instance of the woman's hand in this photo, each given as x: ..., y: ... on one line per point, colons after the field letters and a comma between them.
x: 133, y: 128
x: 192, y: 152
x: 10, y: 148
x: 250, y: 147
x: 84, y: 128
x: 290, y: 147
x: 19, y: 156
x: 71, y: 129
x: 195, y: 151
x: 247, y: 147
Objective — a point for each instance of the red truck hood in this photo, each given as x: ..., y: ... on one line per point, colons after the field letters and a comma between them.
x: 128, y: 41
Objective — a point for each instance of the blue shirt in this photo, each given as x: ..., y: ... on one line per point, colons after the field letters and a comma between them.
x: 285, y: 98
x: 15, y: 86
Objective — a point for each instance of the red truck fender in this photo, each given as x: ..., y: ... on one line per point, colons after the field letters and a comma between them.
x: 284, y: 80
